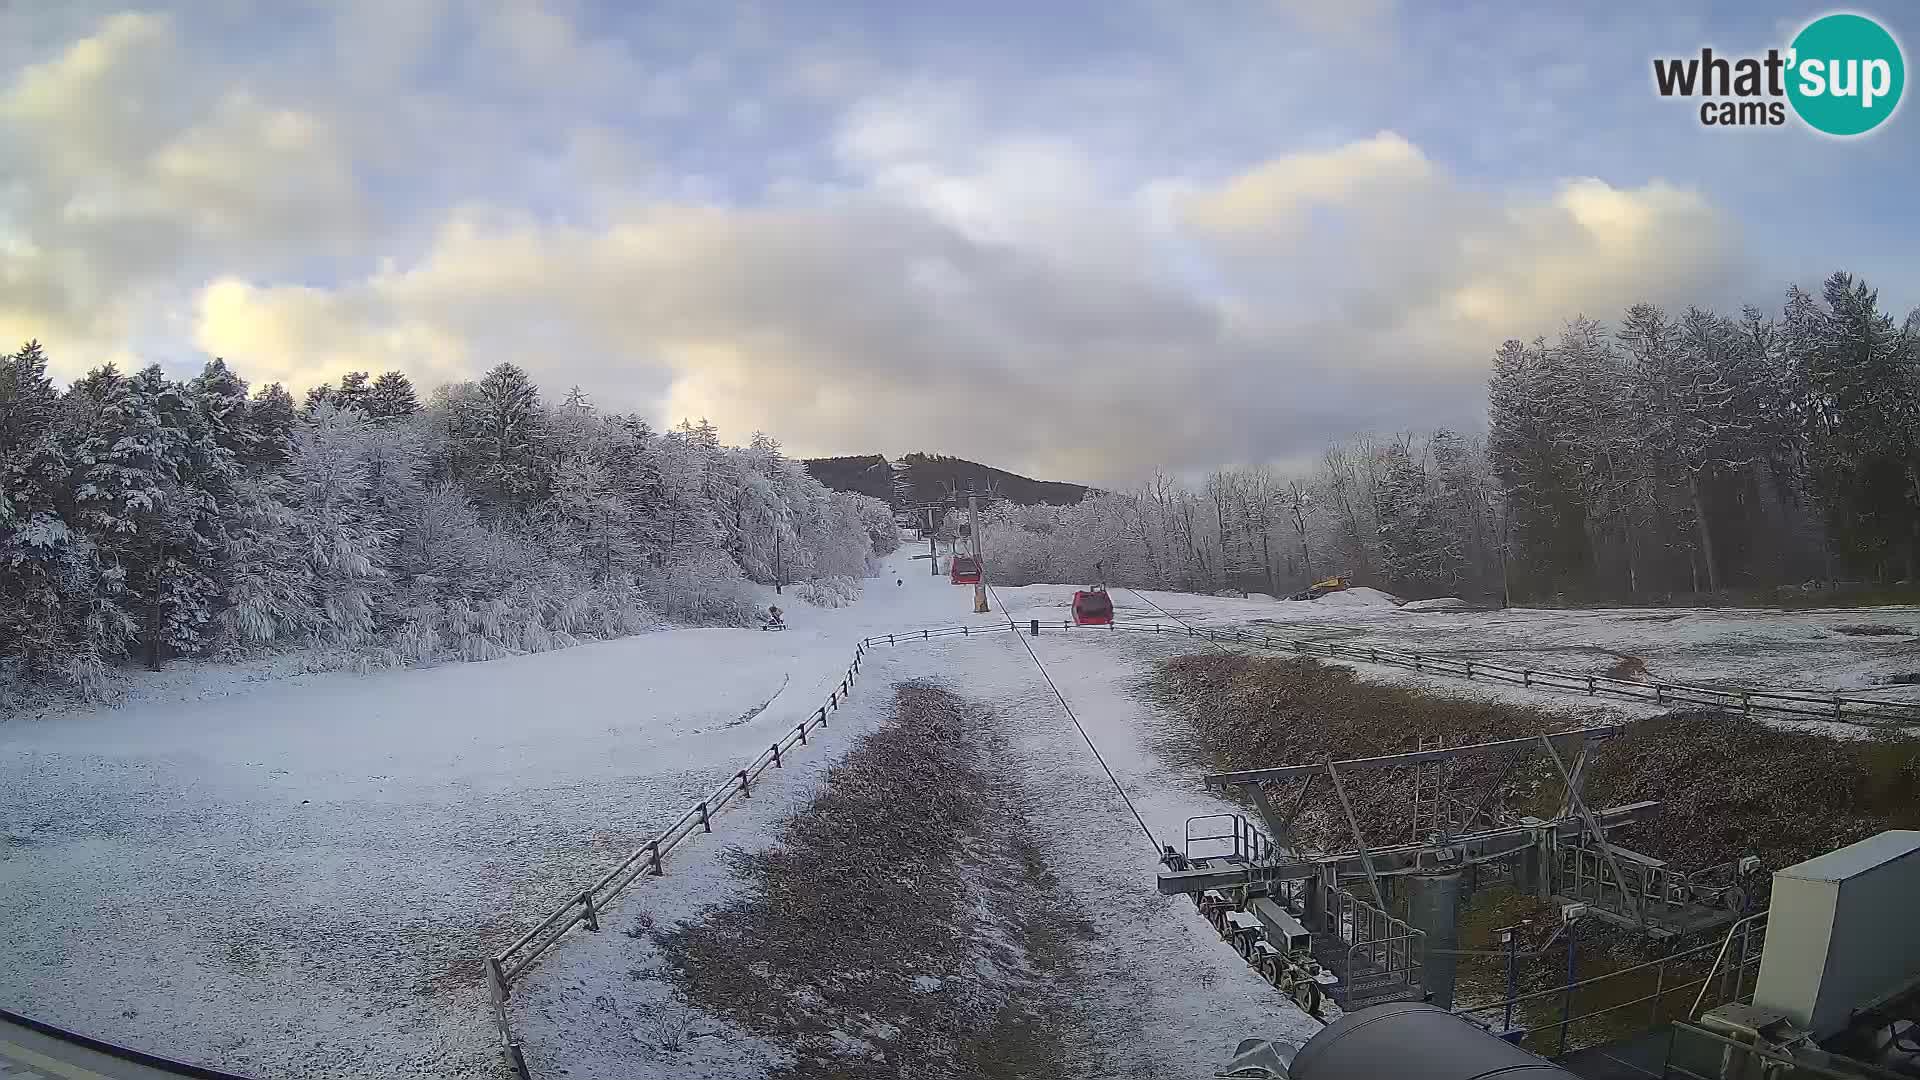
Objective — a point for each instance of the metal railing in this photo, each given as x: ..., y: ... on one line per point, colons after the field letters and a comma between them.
x: 1751, y: 933
x: 1673, y: 974
x: 1248, y: 843
x: 585, y: 907
x: 1382, y: 950
x: 1695, y: 1052
x: 1836, y: 707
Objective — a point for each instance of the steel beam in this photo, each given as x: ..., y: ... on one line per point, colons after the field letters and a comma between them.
x: 1411, y: 757
x: 1599, y: 834
x: 1399, y: 859
x: 1360, y: 841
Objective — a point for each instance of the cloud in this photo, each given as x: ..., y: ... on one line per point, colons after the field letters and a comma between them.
x: 857, y: 261
x: 141, y: 169
x: 893, y: 318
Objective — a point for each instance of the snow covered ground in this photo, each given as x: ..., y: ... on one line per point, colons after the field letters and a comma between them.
x: 1173, y: 998
x: 298, y: 877
x: 1762, y: 648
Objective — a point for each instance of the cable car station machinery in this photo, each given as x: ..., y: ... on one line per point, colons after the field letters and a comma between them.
x: 1342, y: 898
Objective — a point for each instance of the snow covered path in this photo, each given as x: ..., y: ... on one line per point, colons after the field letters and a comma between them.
x: 1178, y: 998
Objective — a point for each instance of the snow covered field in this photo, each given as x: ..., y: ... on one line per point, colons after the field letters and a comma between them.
x: 1762, y: 648
x: 298, y: 878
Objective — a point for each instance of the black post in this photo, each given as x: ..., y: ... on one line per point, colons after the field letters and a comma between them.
x: 1036, y: 628
x: 1566, y: 1005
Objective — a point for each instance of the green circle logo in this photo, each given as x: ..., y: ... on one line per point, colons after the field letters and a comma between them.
x: 1845, y: 74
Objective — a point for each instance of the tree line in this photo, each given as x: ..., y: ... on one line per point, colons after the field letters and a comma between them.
x: 1667, y: 454
x: 146, y: 518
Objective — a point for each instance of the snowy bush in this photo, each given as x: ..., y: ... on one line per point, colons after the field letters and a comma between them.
x: 706, y: 590
x: 834, y: 592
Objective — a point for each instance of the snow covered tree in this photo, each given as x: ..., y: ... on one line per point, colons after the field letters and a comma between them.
x: 1861, y: 410
x: 1536, y: 469
x: 496, y: 431
x: 269, y: 594
x: 1460, y: 508
x: 353, y: 391
x: 1682, y: 426
x: 221, y: 397
x: 322, y: 394
x: 47, y: 570
x: 589, y: 519
x: 1416, y: 550
x: 577, y: 402
x: 345, y: 547
x: 390, y: 396
x: 270, y: 422
x: 151, y: 477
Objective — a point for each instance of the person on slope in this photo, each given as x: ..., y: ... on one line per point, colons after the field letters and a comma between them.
x: 773, y: 619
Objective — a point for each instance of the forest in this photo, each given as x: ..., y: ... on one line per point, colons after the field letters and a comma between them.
x: 147, y: 519
x: 1692, y: 455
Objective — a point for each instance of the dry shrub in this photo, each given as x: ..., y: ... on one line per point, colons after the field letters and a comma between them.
x: 857, y: 940
x: 1729, y: 785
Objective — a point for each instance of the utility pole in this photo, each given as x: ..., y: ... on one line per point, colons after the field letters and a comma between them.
x: 777, y: 567
x: 973, y: 525
x: 933, y: 542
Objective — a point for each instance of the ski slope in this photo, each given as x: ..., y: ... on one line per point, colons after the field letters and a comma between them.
x: 297, y: 878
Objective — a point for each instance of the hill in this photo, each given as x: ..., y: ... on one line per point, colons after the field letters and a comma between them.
x: 927, y: 477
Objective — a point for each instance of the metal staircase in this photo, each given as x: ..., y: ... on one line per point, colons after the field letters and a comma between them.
x: 1377, y: 957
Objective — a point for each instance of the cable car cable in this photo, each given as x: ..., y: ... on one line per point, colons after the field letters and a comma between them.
x: 1078, y: 726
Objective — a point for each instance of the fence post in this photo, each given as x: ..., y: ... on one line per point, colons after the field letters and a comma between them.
x: 1746, y: 703
x: 1836, y: 706
x: 823, y: 716
x: 1036, y: 628
x: 776, y: 757
x: 658, y: 870
x: 499, y: 989
x: 746, y: 792
x: 593, y: 917
x: 1659, y: 693
x: 1469, y: 669
x: 1418, y: 661
x: 706, y: 822
x: 889, y: 639
x: 1526, y: 678
x: 1589, y: 686
x: 801, y: 727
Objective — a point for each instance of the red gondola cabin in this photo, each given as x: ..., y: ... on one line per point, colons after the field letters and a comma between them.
x: 1092, y: 607
x: 965, y: 570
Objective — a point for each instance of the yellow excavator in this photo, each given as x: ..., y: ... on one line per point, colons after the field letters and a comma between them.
x: 1322, y: 588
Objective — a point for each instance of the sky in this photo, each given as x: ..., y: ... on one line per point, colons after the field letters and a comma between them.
x: 1081, y: 240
